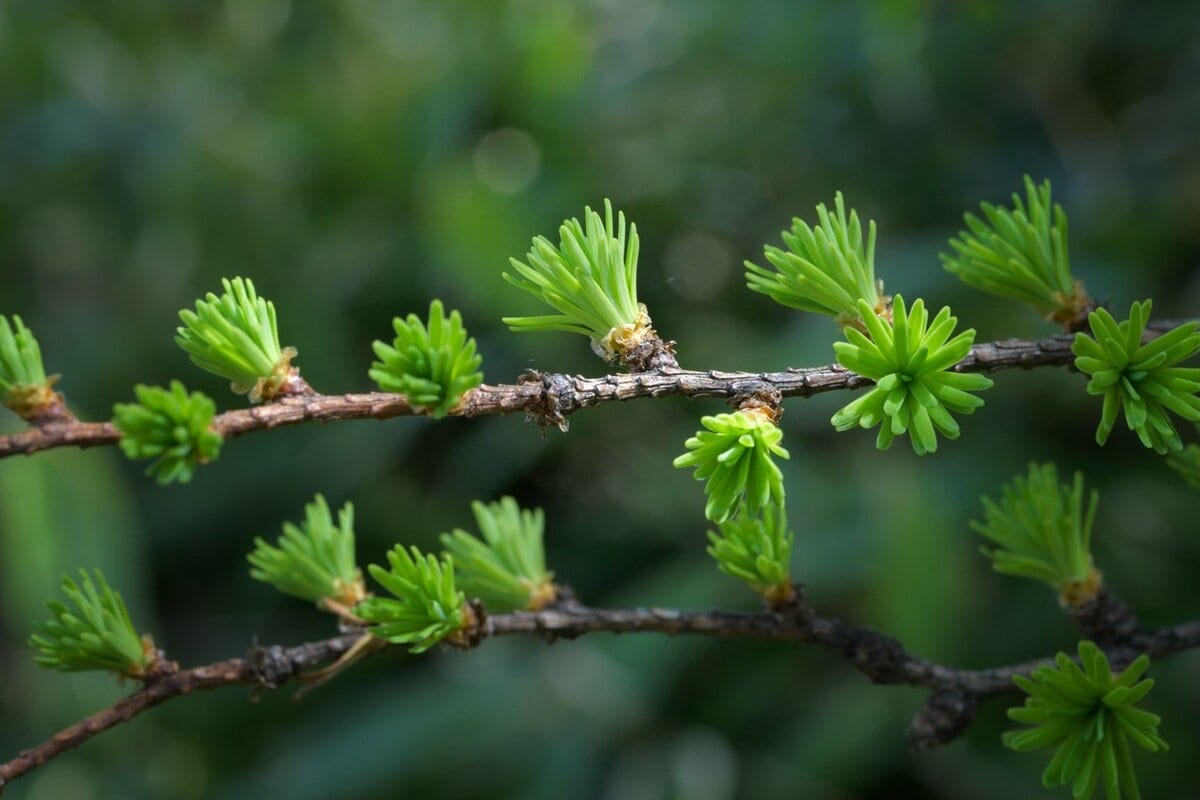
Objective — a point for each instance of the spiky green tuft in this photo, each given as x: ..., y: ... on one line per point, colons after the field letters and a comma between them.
x: 590, y: 279
x: 1141, y: 379
x: 757, y: 550
x: 235, y: 336
x: 1021, y: 254
x: 313, y: 560
x: 909, y: 359
x: 825, y: 269
x: 24, y: 386
x: 432, y: 366
x: 506, y: 569
x: 171, y: 427
x: 425, y: 609
x: 734, y: 456
x: 1091, y: 716
x: 93, y: 632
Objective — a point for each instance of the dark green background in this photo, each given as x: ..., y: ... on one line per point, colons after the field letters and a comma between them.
x: 357, y: 159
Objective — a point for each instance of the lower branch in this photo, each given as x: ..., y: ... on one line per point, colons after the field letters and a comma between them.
x: 883, y: 659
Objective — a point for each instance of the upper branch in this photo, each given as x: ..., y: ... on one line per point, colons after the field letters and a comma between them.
x: 550, y: 398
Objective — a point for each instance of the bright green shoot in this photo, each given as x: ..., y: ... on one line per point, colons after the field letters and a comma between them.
x: 506, y: 569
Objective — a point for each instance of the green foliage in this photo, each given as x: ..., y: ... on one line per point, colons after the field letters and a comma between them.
x: 426, y: 607
x: 1043, y: 530
x: 313, y: 560
x: 171, y: 427
x: 93, y: 633
x: 757, y: 550
x: 432, y: 366
x: 235, y: 336
x: 734, y: 456
x: 1140, y: 378
x: 24, y: 386
x: 825, y: 269
x: 590, y: 279
x: 909, y: 360
x: 1021, y: 254
x: 1090, y: 715
x: 507, y: 569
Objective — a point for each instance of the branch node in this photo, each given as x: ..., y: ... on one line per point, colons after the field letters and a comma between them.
x: 1105, y: 619
x: 558, y: 399
x: 943, y: 718
x: 759, y: 396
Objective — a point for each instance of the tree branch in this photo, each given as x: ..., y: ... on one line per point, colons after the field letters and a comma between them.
x: 549, y: 398
x: 883, y: 659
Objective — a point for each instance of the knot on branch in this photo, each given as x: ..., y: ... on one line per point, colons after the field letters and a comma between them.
x: 943, y: 718
x: 271, y: 666
x: 1105, y: 619
x: 881, y: 658
x: 650, y: 354
x: 759, y: 396
x: 558, y: 399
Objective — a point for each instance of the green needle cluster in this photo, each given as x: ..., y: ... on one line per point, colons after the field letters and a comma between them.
x: 1090, y: 715
x: 825, y: 269
x: 909, y: 359
x: 590, y: 279
x: 425, y: 608
x: 171, y: 427
x: 313, y: 560
x: 92, y: 632
x: 1021, y: 254
x: 1142, y: 379
x: 506, y: 569
x: 757, y: 550
x: 235, y: 336
x: 1042, y: 529
x: 433, y: 366
x: 734, y: 456
x: 24, y: 386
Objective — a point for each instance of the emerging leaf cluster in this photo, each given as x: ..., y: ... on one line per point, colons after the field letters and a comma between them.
x: 432, y: 366
x: 1042, y: 529
x: 235, y: 336
x: 757, y: 550
x: 909, y: 358
x: 590, y: 278
x: 93, y: 632
x: 313, y: 560
x: 1090, y: 715
x: 1020, y: 254
x: 825, y: 269
x: 24, y: 386
x: 734, y: 456
x: 425, y: 607
x: 171, y: 427
x: 1142, y: 379
x: 507, y: 568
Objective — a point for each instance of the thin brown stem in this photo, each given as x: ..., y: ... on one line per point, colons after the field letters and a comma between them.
x: 955, y: 692
x: 550, y: 398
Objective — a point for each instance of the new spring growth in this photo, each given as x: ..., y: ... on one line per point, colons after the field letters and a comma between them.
x: 1090, y: 716
x: 92, y: 631
x: 734, y: 456
x: 1042, y: 529
x: 506, y: 569
x: 433, y: 366
x: 909, y: 359
x: 425, y: 607
x: 590, y: 279
x: 235, y: 336
x: 825, y: 269
x: 170, y: 426
x: 1021, y: 254
x: 757, y: 550
x: 24, y: 387
x: 1141, y: 379
x: 313, y: 560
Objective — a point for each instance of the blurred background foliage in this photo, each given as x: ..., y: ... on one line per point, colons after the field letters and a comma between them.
x: 358, y: 158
